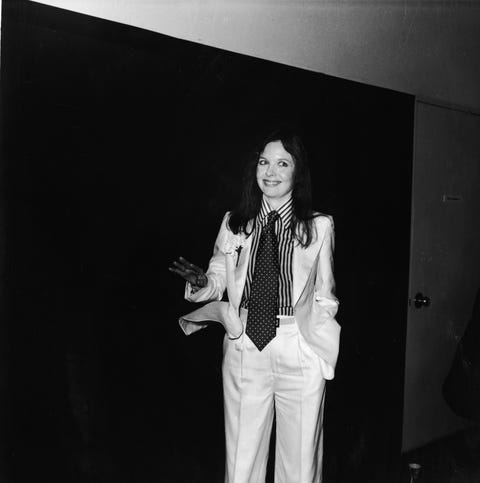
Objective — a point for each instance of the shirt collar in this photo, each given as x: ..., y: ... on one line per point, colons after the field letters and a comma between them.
x: 285, y: 211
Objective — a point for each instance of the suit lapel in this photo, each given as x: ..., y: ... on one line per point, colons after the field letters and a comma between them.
x: 302, y: 264
x: 242, y: 264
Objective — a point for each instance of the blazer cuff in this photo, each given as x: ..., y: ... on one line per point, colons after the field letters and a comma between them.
x: 193, y: 295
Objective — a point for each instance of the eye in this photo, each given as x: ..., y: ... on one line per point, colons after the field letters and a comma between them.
x: 262, y: 161
x: 283, y: 164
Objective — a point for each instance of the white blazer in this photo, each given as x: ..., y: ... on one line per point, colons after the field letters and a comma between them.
x: 314, y: 301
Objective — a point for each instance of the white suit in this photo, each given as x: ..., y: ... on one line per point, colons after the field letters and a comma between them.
x: 246, y: 376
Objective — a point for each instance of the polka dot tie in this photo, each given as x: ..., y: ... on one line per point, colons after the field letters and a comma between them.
x: 263, y: 303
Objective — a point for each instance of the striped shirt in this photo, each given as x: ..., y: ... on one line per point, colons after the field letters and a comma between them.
x: 285, y: 252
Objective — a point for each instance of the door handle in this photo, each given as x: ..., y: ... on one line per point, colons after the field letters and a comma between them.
x: 421, y: 300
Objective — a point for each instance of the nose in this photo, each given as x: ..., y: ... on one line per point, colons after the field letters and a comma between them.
x: 270, y: 170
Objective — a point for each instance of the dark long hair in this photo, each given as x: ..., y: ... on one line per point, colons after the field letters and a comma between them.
x: 251, y: 197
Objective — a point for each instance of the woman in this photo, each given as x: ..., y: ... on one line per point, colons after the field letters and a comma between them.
x: 274, y: 256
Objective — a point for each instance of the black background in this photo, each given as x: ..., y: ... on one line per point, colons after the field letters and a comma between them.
x: 122, y: 149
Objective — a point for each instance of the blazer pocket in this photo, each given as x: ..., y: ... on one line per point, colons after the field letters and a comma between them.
x: 324, y: 308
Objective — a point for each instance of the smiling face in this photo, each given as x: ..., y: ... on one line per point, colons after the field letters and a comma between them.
x: 275, y: 174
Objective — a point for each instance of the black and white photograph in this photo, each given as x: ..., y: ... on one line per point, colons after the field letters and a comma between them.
x: 240, y: 241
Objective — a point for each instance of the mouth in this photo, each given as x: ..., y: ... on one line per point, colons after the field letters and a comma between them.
x: 268, y: 182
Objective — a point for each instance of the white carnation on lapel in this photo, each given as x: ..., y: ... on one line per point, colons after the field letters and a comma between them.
x: 233, y: 243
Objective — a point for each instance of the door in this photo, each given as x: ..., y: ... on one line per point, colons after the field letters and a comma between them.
x: 444, y: 263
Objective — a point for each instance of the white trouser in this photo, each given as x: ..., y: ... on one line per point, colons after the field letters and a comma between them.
x: 285, y: 377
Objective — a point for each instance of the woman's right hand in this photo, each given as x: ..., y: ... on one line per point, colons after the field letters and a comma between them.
x: 189, y: 272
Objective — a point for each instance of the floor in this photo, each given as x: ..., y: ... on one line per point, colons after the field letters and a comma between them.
x: 454, y: 459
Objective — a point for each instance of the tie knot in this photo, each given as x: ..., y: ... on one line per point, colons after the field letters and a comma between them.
x: 272, y: 217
